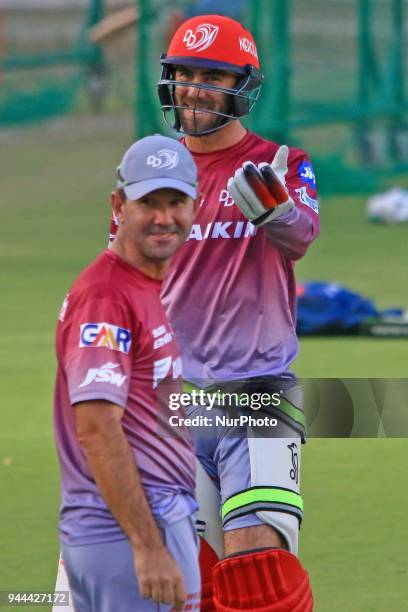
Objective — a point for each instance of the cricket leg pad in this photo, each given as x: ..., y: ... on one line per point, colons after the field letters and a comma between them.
x: 208, y: 560
x: 268, y: 580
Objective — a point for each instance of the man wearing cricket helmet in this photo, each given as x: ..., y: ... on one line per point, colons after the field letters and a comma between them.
x: 231, y: 298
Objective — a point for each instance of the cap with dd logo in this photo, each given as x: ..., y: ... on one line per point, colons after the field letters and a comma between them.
x: 157, y: 162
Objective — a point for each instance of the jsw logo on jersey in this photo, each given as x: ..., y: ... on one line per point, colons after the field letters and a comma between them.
x: 225, y: 230
x: 165, y: 158
x: 106, y: 335
x: 200, y: 38
x: 104, y: 374
x: 306, y: 173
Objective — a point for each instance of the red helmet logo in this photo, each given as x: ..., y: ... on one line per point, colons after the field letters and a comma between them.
x: 200, y: 38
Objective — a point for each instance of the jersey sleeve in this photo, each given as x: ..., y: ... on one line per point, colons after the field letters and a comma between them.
x: 98, y: 340
x: 294, y: 231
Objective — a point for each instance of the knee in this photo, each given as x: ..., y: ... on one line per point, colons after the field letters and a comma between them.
x: 255, y: 537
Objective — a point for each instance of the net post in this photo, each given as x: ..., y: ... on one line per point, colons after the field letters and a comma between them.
x: 396, y: 81
x: 366, y: 73
x: 278, y: 91
x: 145, y: 121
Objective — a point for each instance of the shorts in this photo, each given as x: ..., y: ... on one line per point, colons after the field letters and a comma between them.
x: 257, y: 469
x: 102, y: 576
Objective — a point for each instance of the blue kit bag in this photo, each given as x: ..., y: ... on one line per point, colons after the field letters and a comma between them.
x: 328, y: 308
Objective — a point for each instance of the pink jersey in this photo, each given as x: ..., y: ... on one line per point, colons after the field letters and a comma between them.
x: 230, y: 294
x: 114, y: 343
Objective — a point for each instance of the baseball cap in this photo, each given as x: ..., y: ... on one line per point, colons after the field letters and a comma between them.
x: 157, y: 162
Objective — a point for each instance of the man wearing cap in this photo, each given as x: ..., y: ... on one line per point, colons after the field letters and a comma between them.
x: 257, y: 217
x: 128, y: 507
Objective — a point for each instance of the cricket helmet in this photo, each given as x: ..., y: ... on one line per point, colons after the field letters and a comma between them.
x: 213, y: 42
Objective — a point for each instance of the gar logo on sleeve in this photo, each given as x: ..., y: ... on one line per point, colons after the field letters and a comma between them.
x: 105, y: 335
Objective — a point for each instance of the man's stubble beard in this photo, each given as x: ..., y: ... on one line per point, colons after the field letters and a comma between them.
x: 162, y: 253
x: 201, y: 122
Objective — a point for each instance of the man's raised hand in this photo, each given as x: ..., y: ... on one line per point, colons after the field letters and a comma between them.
x: 260, y: 191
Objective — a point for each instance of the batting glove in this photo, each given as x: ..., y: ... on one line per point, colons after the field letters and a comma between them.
x: 260, y: 191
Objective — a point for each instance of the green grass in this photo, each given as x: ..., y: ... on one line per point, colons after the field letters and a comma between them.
x: 54, y: 219
x: 355, y: 524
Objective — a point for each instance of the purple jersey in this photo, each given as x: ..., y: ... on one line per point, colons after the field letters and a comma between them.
x: 230, y: 294
x: 114, y: 343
